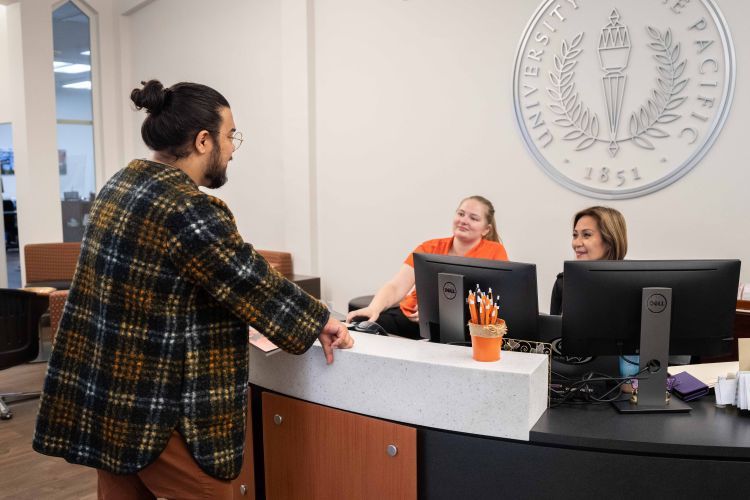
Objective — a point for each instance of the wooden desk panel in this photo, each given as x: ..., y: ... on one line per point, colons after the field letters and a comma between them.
x: 243, y: 487
x: 316, y: 452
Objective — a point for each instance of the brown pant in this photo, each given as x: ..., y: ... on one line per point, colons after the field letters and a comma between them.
x: 174, y: 475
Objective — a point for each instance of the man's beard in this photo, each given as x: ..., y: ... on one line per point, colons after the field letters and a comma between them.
x: 216, y: 174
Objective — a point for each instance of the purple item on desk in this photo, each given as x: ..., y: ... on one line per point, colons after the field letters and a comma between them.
x: 688, y: 388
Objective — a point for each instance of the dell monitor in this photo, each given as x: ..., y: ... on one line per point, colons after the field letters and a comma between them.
x: 443, y: 282
x: 653, y: 308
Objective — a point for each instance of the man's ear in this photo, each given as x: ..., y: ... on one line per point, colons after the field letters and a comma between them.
x: 203, y: 142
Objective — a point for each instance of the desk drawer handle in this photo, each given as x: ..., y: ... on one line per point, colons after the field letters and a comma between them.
x: 243, y: 489
x: 392, y: 450
x: 277, y: 419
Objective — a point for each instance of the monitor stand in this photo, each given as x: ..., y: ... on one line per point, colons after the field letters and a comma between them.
x: 451, y: 307
x: 656, y: 314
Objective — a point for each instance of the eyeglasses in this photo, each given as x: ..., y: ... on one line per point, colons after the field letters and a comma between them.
x: 236, y: 140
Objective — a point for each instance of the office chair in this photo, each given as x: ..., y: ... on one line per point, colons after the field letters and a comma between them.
x: 360, y: 302
x: 57, y: 301
x: 19, y: 336
x: 281, y: 261
x: 11, y: 224
x: 51, y: 264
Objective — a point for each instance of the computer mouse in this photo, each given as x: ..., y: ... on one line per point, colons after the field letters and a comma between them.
x: 369, y: 327
x: 358, y: 319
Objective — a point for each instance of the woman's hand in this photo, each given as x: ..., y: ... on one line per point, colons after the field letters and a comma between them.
x: 368, y: 312
x: 414, y: 317
x: 389, y: 295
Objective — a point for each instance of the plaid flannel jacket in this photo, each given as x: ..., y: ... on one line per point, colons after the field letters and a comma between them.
x: 154, y: 334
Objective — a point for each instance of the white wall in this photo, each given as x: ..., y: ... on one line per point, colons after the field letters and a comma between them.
x: 414, y: 112
x: 375, y: 117
x: 410, y: 110
x: 4, y: 119
x: 4, y: 90
x: 32, y: 91
x: 30, y: 94
x: 6, y: 135
x: 233, y: 46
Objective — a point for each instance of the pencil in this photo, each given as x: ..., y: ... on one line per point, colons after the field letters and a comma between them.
x: 472, y: 308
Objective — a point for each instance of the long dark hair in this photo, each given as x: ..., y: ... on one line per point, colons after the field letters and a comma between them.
x: 176, y: 115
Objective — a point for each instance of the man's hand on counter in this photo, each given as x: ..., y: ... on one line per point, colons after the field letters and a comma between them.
x: 334, y: 336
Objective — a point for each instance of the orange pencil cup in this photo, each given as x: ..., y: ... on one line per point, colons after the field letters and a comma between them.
x: 486, y: 340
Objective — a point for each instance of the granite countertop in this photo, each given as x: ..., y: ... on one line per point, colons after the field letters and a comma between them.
x: 419, y: 383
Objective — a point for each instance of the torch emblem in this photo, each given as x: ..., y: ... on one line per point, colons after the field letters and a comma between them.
x: 613, y: 49
x: 614, y: 52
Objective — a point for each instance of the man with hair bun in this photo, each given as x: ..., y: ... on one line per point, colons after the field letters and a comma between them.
x: 147, y: 381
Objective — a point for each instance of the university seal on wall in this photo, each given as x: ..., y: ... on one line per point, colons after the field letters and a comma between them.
x: 617, y: 99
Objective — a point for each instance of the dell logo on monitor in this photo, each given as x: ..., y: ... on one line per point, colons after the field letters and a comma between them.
x: 657, y: 303
x: 449, y: 290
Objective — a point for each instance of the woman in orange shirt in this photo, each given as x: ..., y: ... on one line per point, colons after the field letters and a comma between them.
x: 474, y: 235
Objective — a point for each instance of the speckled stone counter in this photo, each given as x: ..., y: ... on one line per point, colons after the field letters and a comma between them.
x: 420, y: 383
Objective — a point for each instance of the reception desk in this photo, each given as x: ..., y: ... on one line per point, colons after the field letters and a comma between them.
x: 394, y: 418
x: 416, y: 383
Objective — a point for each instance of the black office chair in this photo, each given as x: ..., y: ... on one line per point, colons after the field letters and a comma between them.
x: 11, y: 225
x: 19, y: 336
x: 360, y: 302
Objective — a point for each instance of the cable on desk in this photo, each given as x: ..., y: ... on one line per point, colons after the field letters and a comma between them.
x: 564, y: 390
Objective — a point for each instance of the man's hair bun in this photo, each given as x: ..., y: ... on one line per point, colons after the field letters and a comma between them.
x: 151, y: 97
x: 176, y: 114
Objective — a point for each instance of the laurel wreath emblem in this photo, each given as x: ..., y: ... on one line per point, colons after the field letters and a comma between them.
x: 658, y: 109
x: 665, y: 99
x: 573, y: 114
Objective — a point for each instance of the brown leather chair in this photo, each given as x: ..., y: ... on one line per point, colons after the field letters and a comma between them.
x: 281, y: 261
x: 51, y: 264
x: 56, y: 305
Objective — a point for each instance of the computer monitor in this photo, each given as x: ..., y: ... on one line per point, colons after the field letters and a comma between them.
x: 649, y: 307
x: 442, y: 284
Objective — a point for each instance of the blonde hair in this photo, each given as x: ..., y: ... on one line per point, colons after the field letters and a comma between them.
x: 489, y: 215
x: 612, y: 226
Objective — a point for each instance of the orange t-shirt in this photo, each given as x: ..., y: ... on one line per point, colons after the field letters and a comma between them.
x: 485, y: 249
